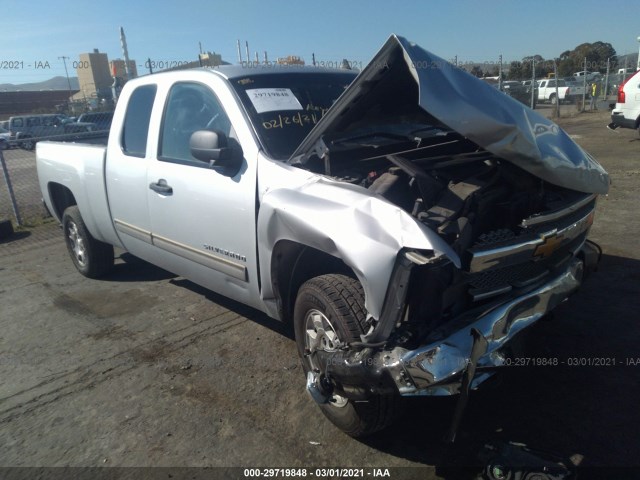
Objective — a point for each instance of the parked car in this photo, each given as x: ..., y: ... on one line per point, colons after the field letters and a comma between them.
x: 409, y: 222
x: 27, y: 130
x: 102, y: 120
x: 576, y: 91
x: 5, y: 139
x: 547, y: 91
x: 83, y: 131
x: 626, y: 113
x: 519, y: 91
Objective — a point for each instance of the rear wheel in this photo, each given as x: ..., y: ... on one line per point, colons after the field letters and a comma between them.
x: 92, y: 258
x: 28, y: 144
x: 553, y: 99
x: 329, y: 312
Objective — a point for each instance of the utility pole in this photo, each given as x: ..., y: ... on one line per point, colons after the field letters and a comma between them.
x: 64, y: 61
x: 533, y: 83
x: 555, y: 76
x: 500, y: 72
x: 125, y: 53
x: 584, y: 84
x: 606, y: 81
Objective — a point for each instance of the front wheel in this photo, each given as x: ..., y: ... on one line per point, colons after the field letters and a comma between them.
x: 329, y: 312
x: 92, y: 258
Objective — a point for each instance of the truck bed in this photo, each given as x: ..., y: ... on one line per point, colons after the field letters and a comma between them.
x: 78, y: 168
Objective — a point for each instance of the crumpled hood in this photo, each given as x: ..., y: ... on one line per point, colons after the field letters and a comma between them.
x: 475, y: 110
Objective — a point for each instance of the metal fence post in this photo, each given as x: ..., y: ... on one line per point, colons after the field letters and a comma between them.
x: 7, y: 181
x: 584, y: 84
x: 555, y: 76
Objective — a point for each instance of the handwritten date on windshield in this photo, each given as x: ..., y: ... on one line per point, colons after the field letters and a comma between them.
x: 298, y: 119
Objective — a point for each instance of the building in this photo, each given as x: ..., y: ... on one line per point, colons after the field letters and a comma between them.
x: 94, y: 77
x: 24, y: 102
x: 208, y: 59
x: 290, y: 60
x: 116, y: 67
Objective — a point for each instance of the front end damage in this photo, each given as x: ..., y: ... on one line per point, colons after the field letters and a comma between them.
x: 437, y: 366
x: 511, y: 195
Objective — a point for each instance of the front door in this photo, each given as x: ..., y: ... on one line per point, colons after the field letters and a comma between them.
x: 202, y: 221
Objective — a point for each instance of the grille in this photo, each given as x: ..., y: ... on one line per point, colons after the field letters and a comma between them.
x: 495, y: 236
x: 513, y: 276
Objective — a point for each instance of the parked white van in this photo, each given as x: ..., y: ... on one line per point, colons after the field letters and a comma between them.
x: 626, y: 114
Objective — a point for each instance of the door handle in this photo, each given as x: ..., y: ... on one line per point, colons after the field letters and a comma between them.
x: 161, y: 187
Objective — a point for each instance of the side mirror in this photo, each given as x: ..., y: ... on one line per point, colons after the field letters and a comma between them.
x: 216, y: 149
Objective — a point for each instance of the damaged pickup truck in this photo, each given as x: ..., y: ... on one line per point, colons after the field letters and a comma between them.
x: 409, y: 221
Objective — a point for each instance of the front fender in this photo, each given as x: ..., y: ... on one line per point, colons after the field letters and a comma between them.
x: 346, y: 221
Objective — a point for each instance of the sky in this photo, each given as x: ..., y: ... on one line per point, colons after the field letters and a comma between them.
x: 34, y: 38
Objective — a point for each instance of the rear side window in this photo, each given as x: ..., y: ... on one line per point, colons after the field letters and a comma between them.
x: 136, y: 121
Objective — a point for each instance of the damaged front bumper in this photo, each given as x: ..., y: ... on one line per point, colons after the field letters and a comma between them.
x: 437, y: 368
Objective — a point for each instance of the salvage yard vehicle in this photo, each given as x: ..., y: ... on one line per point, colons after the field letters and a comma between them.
x: 27, y: 130
x: 409, y: 221
x: 626, y: 113
x: 547, y: 91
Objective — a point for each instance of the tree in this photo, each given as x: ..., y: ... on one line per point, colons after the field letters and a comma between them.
x: 596, y: 53
x: 476, y: 71
x: 515, y: 71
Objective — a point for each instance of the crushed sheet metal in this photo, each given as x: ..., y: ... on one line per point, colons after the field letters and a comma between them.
x: 345, y: 221
x: 448, y: 356
x: 479, y: 112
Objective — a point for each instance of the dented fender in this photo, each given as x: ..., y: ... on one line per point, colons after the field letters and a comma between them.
x: 346, y: 221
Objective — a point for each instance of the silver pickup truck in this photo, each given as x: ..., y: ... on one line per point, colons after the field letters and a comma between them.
x: 408, y: 221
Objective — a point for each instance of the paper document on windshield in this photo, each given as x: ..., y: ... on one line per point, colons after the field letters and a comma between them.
x: 273, y: 99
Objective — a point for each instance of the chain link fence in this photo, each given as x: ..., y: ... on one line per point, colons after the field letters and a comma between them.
x: 20, y: 197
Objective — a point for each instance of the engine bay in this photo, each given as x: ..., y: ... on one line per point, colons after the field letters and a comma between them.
x: 467, y: 195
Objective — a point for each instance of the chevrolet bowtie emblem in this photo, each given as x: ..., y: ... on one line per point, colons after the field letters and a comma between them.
x: 550, y: 244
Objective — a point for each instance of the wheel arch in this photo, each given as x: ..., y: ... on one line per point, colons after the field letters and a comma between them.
x: 294, y: 263
x: 61, y: 198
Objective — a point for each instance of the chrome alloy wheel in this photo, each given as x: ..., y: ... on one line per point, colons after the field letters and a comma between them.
x: 77, y: 243
x: 321, y: 335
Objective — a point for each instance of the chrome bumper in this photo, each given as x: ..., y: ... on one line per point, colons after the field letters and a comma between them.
x: 436, y: 368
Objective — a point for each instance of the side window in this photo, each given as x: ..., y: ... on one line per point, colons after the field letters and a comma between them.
x: 136, y: 121
x: 190, y: 107
x: 18, y: 123
x: 33, y: 122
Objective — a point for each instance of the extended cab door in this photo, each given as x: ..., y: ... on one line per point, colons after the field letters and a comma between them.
x: 126, y: 170
x: 203, y: 222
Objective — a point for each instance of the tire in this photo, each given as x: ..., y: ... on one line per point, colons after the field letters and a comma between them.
x: 4, y: 145
x: 92, y: 258
x: 340, y: 300
x: 28, y: 144
x: 552, y: 99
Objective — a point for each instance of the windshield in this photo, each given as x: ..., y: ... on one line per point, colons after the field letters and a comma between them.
x: 284, y: 107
